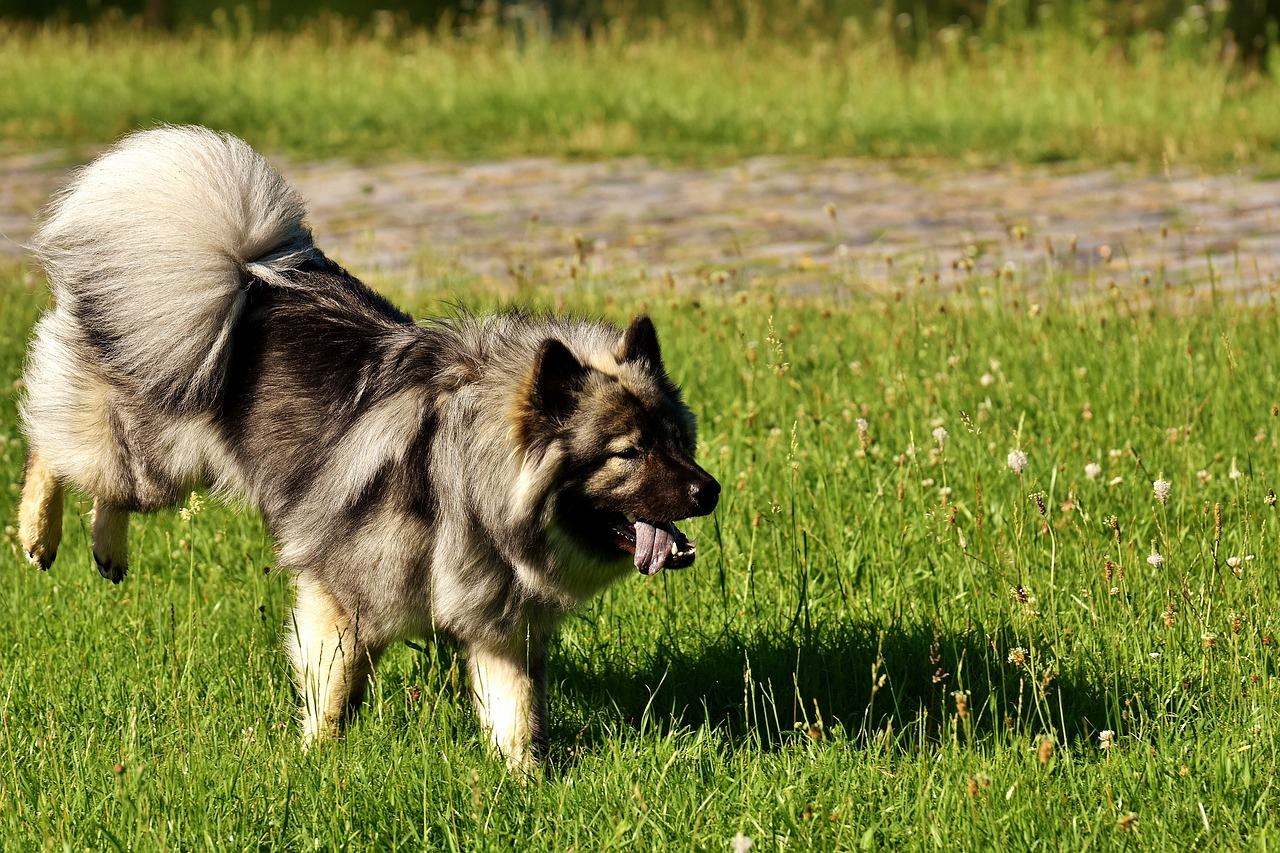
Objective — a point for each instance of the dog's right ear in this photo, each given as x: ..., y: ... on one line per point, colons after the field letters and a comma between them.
x: 556, y: 380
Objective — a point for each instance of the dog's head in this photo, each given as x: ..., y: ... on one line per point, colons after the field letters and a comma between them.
x: 627, y: 444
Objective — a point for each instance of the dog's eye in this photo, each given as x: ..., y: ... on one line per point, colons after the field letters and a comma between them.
x: 628, y: 453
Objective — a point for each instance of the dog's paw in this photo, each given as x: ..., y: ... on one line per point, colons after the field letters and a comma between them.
x: 110, y: 569
x: 39, y: 559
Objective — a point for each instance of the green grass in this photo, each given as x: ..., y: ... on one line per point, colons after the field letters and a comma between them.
x: 798, y: 685
x: 687, y: 93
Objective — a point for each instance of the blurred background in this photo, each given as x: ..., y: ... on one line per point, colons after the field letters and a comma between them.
x: 1246, y: 26
x: 1156, y: 83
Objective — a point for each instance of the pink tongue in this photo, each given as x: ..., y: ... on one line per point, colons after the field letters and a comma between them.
x: 653, y: 546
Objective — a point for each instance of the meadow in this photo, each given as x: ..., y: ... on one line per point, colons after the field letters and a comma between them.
x: 688, y: 89
x: 921, y: 617
x: 996, y: 560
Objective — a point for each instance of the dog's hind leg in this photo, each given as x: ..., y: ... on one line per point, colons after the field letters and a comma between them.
x: 331, y: 661
x: 110, y: 540
x: 509, y: 686
x: 40, y: 512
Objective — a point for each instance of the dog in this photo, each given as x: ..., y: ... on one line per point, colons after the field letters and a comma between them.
x: 471, y: 477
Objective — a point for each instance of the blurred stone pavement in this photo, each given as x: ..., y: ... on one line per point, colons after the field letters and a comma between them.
x: 840, y: 226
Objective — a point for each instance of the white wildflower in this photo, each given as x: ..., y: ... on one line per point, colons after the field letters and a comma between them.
x: 1092, y: 470
x: 1163, y: 488
x: 940, y: 436
x: 1156, y: 559
x: 986, y: 380
x: 1106, y: 738
x: 742, y: 843
x: 1115, y: 481
x: 1017, y: 461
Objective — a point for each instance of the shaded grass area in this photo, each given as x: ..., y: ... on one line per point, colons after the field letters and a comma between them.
x: 1045, y: 94
x: 886, y: 625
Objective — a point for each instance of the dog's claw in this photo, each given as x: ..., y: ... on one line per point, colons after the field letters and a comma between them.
x: 113, y: 572
x: 41, y: 562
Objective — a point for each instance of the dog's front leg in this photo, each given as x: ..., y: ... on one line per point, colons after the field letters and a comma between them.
x: 509, y: 685
x: 332, y: 659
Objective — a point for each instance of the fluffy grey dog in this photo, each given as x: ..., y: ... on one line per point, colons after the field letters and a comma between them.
x: 476, y: 477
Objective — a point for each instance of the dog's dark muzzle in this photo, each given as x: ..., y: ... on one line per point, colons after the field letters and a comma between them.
x: 704, y: 494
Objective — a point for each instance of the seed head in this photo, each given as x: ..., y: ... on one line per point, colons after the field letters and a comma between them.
x: 1045, y: 753
x: 1017, y: 656
x: 1155, y: 559
x: 977, y: 784
x: 1163, y: 488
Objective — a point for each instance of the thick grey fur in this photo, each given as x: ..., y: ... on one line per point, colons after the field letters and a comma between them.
x: 441, y: 478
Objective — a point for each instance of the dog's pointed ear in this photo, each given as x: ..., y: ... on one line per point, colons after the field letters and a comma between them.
x: 557, y: 379
x: 640, y: 343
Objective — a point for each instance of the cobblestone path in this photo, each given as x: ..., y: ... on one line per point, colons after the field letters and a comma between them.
x: 813, y: 225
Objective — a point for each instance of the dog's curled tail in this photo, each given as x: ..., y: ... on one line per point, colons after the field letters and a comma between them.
x: 150, y: 248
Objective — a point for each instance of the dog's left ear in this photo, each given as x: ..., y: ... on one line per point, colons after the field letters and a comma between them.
x: 640, y: 343
x: 557, y: 378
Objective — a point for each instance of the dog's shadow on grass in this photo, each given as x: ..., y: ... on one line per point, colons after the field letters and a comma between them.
x: 863, y: 679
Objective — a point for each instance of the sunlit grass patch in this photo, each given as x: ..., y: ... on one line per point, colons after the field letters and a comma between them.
x: 1044, y: 95
x: 927, y: 611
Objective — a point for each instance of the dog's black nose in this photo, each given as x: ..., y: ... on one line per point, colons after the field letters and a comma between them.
x: 705, y: 494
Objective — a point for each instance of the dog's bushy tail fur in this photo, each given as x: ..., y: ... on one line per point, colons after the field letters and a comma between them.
x: 151, y: 248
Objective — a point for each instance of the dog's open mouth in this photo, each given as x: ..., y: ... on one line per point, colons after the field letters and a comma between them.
x: 657, y: 545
